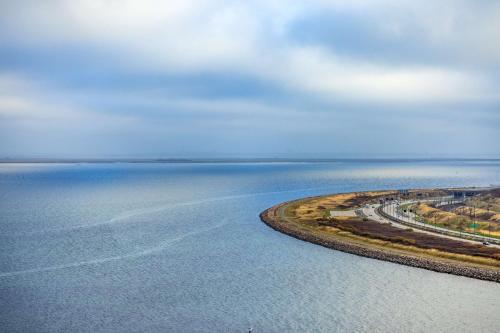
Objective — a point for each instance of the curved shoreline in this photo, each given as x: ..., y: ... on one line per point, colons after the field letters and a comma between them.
x: 271, y: 218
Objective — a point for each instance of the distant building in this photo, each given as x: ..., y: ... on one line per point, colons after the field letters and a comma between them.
x: 466, y: 193
x: 404, y: 193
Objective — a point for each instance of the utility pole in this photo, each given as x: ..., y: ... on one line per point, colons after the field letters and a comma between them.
x: 475, y: 226
x: 474, y: 217
x: 489, y: 222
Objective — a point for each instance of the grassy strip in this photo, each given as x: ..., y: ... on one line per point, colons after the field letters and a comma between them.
x: 421, y: 240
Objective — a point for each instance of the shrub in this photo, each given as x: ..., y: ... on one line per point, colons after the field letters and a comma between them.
x: 404, y: 240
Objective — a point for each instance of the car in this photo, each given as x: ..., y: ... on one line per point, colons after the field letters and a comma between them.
x: 486, y: 243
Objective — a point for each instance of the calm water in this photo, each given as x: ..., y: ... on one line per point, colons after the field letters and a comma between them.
x: 180, y: 248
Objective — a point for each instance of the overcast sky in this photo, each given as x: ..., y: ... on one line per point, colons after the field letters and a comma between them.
x: 317, y: 78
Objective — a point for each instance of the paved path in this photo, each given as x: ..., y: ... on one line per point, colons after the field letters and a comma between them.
x: 336, y: 213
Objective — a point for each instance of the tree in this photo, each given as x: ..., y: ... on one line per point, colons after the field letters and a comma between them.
x: 461, y: 225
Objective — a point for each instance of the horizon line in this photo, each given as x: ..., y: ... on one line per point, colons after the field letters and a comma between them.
x: 239, y: 159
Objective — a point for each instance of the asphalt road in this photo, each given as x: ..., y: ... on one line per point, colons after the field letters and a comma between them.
x: 371, y: 212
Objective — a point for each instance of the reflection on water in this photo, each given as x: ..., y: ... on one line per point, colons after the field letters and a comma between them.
x: 179, y: 247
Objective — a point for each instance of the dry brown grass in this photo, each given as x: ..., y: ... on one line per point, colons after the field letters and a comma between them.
x: 459, y: 219
x: 318, y: 207
x: 392, y: 234
x: 402, y: 248
x: 309, y: 215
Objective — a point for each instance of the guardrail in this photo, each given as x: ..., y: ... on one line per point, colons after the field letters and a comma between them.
x: 380, y: 211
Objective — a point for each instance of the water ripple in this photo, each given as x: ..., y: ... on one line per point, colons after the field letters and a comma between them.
x: 98, y: 261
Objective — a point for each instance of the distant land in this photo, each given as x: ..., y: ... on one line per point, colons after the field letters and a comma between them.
x: 237, y: 160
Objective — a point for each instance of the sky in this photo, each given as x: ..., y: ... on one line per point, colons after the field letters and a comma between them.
x: 271, y: 78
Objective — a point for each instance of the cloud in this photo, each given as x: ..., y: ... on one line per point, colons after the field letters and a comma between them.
x: 317, y: 71
x: 161, y: 69
x: 459, y: 33
x: 198, y: 36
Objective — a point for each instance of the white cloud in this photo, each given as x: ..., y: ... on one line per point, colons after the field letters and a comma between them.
x: 248, y: 38
x: 26, y: 101
x: 318, y: 71
x: 190, y: 36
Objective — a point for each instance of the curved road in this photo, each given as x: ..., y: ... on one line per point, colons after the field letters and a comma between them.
x: 371, y: 213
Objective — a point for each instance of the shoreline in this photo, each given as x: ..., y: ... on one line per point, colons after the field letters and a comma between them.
x: 271, y: 217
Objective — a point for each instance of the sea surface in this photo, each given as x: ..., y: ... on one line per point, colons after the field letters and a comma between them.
x: 152, y: 247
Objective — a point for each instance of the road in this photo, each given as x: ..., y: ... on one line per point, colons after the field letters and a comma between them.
x: 370, y: 211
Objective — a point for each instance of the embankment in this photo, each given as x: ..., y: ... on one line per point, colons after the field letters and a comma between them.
x: 274, y: 218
